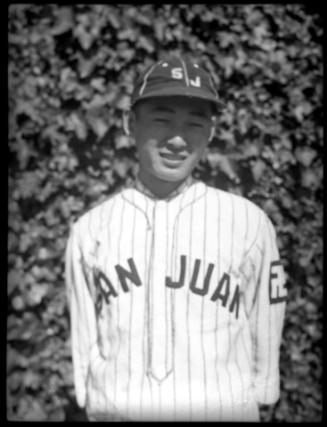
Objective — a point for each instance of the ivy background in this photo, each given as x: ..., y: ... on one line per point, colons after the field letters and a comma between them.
x: 71, y: 70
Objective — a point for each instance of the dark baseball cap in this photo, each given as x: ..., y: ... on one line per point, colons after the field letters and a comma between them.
x: 176, y: 77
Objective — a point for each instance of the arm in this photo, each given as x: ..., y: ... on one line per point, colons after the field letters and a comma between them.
x: 82, y: 314
x: 266, y: 310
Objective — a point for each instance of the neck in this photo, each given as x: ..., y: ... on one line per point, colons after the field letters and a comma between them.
x: 160, y: 188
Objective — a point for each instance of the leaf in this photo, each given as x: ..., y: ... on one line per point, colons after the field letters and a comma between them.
x: 251, y: 150
x: 313, y: 331
x: 58, y: 414
x: 258, y: 169
x: 31, y: 410
x: 99, y: 126
x: 159, y: 26
x: 123, y: 103
x: 53, y: 134
x: 64, y: 21
x: 286, y: 201
x: 228, y: 65
x: 127, y: 34
x: 78, y: 125
x: 84, y: 37
x: 28, y: 329
x: 25, y: 107
x: 36, y: 294
x: 309, y: 179
x: 47, y: 190
x: 86, y: 67
x: 24, y: 153
x: 226, y: 39
x: 120, y: 167
x: 18, y: 303
x: 15, y: 278
x: 146, y: 44
x: 15, y: 360
x: 12, y: 242
x: 291, y: 384
x: 222, y: 162
x: 68, y: 82
x: 98, y: 101
x: 302, y: 110
x: 268, y: 45
x: 122, y: 141
x: 14, y: 381
x: 305, y: 155
x: 286, y: 156
x: 113, y: 18
x: 142, y: 19
x: 99, y: 84
x: 44, y: 254
x: 32, y: 380
x: 127, y: 54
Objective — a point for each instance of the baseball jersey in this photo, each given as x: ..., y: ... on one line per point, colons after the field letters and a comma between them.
x: 177, y: 307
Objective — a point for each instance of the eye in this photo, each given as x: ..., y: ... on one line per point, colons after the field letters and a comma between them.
x: 161, y: 120
x: 196, y: 125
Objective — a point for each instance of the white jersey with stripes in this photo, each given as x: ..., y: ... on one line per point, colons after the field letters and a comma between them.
x: 177, y: 307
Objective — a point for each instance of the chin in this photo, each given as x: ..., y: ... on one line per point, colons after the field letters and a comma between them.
x: 173, y: 175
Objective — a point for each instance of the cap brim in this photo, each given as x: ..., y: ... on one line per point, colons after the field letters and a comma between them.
x: 183, y: 92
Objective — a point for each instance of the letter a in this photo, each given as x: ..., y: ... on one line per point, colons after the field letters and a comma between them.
x: 99, y: 278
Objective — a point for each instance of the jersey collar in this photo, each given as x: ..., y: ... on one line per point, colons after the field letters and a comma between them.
x: 185, y: 195
x: 180, y: 189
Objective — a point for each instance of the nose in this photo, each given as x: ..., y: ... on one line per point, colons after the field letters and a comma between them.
x: 176, y: 143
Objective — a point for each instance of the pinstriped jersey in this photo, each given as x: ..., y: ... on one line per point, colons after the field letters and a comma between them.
x: 177, y: 307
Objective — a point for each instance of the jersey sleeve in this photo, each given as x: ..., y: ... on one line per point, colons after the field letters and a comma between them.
x: 266, y: 303
x: 82, y: 313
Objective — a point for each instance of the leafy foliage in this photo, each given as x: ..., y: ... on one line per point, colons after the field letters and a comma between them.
x: 71, y: 71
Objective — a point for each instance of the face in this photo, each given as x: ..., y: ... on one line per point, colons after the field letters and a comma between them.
x: 171, y: 135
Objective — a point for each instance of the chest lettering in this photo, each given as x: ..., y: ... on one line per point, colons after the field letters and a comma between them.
x: 222, y: 292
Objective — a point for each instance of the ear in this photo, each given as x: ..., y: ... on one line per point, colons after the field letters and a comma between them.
x: 213, y: 129
x: 126, y: 122
x: 212, y: 133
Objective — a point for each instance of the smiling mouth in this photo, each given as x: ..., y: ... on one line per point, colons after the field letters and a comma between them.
x: 173, y: 157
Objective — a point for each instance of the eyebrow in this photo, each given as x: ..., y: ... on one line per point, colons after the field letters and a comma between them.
x: 196, y: 113
x: 199, y: 113
x: 163, y: 110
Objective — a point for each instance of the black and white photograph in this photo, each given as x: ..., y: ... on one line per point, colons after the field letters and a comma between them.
x: 165, y: 213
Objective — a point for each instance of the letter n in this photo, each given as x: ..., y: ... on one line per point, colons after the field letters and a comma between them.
x: 124, y: 274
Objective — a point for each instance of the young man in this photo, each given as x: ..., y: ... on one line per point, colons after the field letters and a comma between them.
x: 177, y: 293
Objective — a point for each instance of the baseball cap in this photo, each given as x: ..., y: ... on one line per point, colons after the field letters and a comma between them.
x: 175, y: 76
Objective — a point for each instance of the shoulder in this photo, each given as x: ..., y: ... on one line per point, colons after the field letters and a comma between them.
x: 89, y: 223
x: 231, y: 202
x: 246, y: 219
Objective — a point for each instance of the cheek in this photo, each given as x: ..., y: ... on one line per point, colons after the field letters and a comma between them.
x: 198, y: 148
x: 146, y: 149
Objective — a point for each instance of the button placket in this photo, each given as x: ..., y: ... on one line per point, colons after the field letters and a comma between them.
x: 160, y: 363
